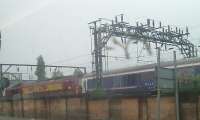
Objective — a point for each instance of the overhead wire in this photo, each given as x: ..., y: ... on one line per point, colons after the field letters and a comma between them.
x: 69, y: 59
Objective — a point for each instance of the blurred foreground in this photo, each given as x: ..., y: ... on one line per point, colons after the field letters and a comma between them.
x: 12, y: 118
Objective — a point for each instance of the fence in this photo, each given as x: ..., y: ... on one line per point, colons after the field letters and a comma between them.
x: 83, y: 108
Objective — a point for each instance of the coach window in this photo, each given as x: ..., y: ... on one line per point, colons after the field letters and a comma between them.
x: 131, y: 80
x: 91, y: 84
x: 117, y: 81
x: 107, y: 82
x: 147, y: 76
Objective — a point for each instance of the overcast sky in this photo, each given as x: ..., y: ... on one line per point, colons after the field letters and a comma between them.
x: 58, y: 29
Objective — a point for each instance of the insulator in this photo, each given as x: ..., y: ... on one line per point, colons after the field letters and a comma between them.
x: 160, y: 24
x: 163, y: 30
x: 181, y: 50
x: 122, y: 18
x: 137, y: 24
x: 122, y: 40
x: 187, y: 31
x: 17, y: 69
x: 148, y: 22
x: 116, y: 19
x: 0, y: 39
x: 182, y: 31
x: 176, y: 29
x: 169, y: 28
x: 179, y: 31
x: 153, y: 23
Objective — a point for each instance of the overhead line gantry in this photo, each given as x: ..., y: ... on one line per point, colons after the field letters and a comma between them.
x: 149, y: 32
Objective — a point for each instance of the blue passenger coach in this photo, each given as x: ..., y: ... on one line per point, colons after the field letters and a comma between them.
x: 141, y: 79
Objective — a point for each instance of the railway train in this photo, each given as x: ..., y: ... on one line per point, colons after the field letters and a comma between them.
x: 142, y: 79
x: 133, y: 80
x: 68, y: 85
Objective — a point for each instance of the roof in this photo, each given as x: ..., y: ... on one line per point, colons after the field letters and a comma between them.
x: 190, y: 61
x: 17, y: 83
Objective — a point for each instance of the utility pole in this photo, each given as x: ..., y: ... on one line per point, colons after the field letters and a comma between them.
x: 100, y: 61
x: 158, y: 85
x: 97, y: 53
x: 1, y: 75
x: 0, y: 40
x: 1, y: 72
x: 176, y: 88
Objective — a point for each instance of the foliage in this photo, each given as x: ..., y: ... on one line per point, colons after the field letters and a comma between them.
x: 78, y: 73
x: 57, y: 74
x: 40, y: 70
x: 196, y: 83
x: 192, y: 87
x: 4, y: 83
x: 98, y: 93
x: 126, y: 45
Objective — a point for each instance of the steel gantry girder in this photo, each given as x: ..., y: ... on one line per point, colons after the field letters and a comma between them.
x: 150, y: 32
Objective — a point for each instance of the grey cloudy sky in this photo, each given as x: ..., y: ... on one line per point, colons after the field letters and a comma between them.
x: 58, y: 29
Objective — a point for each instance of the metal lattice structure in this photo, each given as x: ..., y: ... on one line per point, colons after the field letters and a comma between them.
x: 149, y: 32
x: 22, y: 72
x: 0, y: 40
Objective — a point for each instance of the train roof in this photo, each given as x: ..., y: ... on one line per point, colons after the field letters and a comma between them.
x: 150, y: 67
x: 15, y: 83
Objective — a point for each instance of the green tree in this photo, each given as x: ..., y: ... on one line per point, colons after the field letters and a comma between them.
x: 40, y: 70
x: 126, y: 45
x: 57, y: 74
x: 4, y: 83
x: 78, y: 73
